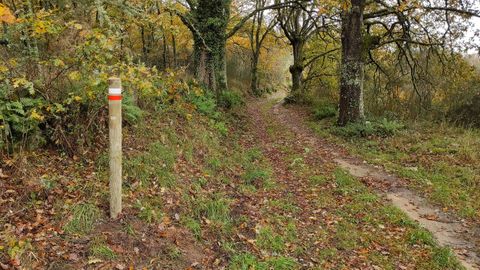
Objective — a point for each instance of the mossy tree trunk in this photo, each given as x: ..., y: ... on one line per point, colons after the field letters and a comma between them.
x: 254, y: 83
x: 352, y: 65
x: 208, y: 21
x: 297, y: 68
x: 211, y: 20
x: 203, y: 65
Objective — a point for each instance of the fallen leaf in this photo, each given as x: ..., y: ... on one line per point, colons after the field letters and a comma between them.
x: 94, y: 261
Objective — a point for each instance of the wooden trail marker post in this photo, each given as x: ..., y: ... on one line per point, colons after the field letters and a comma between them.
x: 115, y: 136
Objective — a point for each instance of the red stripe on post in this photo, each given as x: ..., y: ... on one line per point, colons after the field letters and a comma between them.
x: 114, y: 97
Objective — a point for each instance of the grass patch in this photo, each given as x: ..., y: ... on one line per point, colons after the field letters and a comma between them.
x: 443, y: 258
x: 281, y: 263
x: 248, y: 261
x: 395, y: 216
x: 102, y: 251
x: 216, y: 209
x: 83, y: 219
x: 346, y: 237
x: 253, y: 154
x: 245, y: 261
x: 194, y: 226
x: 285, y: 205
x: 421, y: 236
x: 256, y: 177
x: 156, y: 164
x: 346, y: 183
x: 268, y: 240
x: 148, y: 211
x: 318, y: 180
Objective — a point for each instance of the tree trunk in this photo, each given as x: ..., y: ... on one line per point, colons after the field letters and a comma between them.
x: 224, y: 69
x: 297, y: 68
x: 144, y: 45
x: 211, y: 18
x: 220, y: 63
x: 165, y: 52
x: 254, y: 75
x: 203, y: 66
x: 352, y: 66
x: 174, y: 43
x: 174, y: 48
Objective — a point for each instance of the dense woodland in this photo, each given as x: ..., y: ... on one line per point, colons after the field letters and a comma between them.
x: 397, y: 83
x: 58, y: 54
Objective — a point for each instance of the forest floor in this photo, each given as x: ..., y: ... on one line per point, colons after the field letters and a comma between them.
x: 267, y: 193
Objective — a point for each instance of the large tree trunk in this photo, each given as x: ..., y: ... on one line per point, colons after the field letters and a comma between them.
x: 352, y: 66
x: 211, y: 19
x: 297, y: 69
x: 203, y: 65
x: 254, y: 75
x: 220, y: 58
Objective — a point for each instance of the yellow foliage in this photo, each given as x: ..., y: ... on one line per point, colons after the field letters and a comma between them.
x: 17, y: 82
x: 36, y: 116
x: 58, y: 63
x: 74, y: 76
x: 6, y: 15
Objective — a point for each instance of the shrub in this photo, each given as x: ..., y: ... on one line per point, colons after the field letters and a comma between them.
x: 205, y: 104
x: 387, y: 127
x: 468, y: 113
x: 356, y: 130
x: 131, y: 112
x: 221, y: 127
x: 231, y: 99
x: 383, y: 128
x: 19, y: 120
x: 324, y: 111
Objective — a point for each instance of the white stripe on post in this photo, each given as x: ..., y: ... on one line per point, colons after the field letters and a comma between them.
x: 115, y: 135
x: 115, y: 91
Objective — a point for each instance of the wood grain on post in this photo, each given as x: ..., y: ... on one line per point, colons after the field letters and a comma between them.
x: 115, y: 135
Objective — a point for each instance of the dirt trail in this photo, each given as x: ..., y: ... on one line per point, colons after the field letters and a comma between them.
x: 448, y: 230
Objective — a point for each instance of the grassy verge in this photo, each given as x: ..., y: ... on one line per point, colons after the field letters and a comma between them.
x: 440, y: 160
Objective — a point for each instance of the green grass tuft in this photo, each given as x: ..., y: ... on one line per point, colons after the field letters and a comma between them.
x: 268, y: 240
x: 102, y: 251
x: 421, y: 237
x: 83, y: 219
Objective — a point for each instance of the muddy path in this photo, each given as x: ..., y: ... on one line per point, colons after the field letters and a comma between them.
x: 448, y: 230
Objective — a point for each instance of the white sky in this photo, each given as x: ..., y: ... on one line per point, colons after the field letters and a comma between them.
x: 471, y: 35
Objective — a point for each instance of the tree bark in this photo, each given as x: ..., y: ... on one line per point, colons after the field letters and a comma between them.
x: 203, y: 65
x: 297, y: 68
x: 174, y: 44
x: 254, y: 75
x: 165, y: 52
x: 220, y: 65
x: 174, y: 51
x: 352, y: 65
